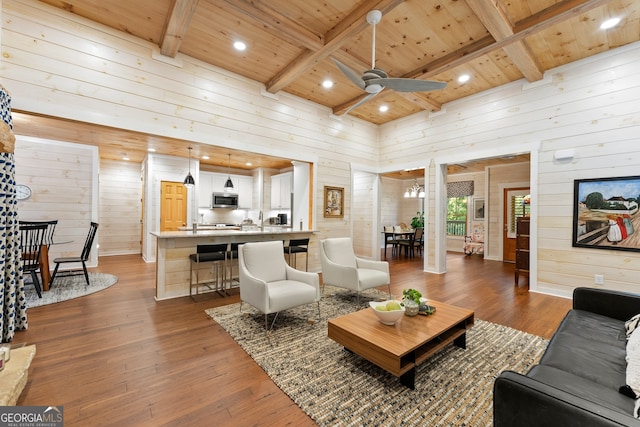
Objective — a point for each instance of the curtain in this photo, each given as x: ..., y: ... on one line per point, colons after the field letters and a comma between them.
x: 13, y: 313
x: 459, y: 189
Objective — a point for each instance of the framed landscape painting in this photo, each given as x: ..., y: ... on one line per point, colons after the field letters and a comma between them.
x: 333, y: 202
x: 605, y: 213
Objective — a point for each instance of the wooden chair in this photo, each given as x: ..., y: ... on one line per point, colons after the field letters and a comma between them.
x: 390, y: 239
x: 31, y: 242
x: 412, y: 242
x: 82, y: 259
x: 45, y: 274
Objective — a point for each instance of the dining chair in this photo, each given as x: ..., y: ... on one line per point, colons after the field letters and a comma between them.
x: 390, y: 239
x: 47, y: 241
x: 295, y: 247
x: 82, y: 259
x: 413, y: 242
x: 31, y: 243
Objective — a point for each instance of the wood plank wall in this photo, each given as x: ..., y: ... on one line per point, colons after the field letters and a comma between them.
x: 120, y: 207
x: 64, y: 182
x: 589, y: 106
x: 58, y: 64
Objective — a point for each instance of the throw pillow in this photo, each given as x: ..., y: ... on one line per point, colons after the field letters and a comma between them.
x: 631, y: 325
x: 633, y: 367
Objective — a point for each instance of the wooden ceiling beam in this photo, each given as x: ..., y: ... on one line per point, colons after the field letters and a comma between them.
x: 176, y: 26
x: 497, y: 22
x: 278, y: 24
x: 539, y: 22
x: 349, y: 27
x: 545, y: 19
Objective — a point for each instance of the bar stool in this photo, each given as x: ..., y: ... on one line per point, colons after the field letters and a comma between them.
x: 232, y: 260
x: 217, y: 255
x: 297, y: 246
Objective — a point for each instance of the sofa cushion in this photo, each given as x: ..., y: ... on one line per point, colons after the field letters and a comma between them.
x: 590, y: 346
x: 631, y: 324
x: 583, y: 388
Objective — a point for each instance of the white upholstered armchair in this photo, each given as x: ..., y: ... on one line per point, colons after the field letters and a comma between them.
x: 269, y: 284
x: 342, y: 268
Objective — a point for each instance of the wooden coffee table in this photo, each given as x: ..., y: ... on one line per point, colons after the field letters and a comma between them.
x: 400, y: 348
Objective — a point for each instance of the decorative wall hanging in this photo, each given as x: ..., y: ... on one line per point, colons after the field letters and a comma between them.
x: 605, y: 213
x: 333, y: 202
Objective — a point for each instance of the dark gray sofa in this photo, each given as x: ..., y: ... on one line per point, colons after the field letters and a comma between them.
x: 577, y: 380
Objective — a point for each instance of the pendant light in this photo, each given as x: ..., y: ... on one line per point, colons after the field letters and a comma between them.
x: 189, y: 182
x: 228, y: 186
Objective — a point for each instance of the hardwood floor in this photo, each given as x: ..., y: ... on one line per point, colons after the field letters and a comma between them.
x: 118, y: 357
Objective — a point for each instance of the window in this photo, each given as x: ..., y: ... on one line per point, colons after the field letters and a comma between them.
x: 516, y: 209
x: 457, y: 216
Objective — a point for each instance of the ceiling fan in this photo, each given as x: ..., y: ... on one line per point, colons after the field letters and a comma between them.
x: 373, y: 81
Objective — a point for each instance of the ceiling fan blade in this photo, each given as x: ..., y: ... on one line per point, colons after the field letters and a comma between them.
x: 410, y: 85
x: 362, y: 101
x: 352, y: 75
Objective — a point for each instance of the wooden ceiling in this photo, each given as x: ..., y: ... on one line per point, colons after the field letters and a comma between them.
x: 290, y: 42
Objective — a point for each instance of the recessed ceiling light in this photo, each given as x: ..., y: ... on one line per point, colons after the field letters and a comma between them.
x: 383, y: 108
x: 609, y: 23
x: 239, y: 45
x: 205, y: 157
x: 464, y: 78
x: 125, y: 158
x: 248, y: 164
x: 151, y: 150
x: 327, y: 84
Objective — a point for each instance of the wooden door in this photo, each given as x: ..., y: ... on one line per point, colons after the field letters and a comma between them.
x: 512, y: 209
x: 173, y: 206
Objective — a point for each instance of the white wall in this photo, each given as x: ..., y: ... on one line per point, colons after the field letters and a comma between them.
x: 64, y: 182
x: 591, y: 106
x: 120, y: 195
x: 58, y: 64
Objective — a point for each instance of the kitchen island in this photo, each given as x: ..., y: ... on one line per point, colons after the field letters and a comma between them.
x: 174, y: 248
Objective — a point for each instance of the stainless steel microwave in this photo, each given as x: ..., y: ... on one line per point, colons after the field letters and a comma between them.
x: 224, y: 200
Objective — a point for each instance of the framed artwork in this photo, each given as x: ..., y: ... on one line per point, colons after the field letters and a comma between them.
x: 478, y: 209
x: 605, y: 213
x: 333, y: 202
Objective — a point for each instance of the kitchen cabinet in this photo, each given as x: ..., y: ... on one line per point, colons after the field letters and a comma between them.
x: 204, y: 184
x: 245, y: 192
x: 281, y: 190
x: 522, y: 246
x: 213, y: 182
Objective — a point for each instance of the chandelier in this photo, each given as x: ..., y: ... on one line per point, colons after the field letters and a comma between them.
x: 415, y: 191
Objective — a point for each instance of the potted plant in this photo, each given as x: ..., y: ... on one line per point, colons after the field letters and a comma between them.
x: 411, y: 301
x: 418, y: 220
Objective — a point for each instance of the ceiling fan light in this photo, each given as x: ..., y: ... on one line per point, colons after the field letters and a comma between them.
x: 373, y: 88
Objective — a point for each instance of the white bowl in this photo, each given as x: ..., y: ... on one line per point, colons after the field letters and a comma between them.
x: 387, y: 317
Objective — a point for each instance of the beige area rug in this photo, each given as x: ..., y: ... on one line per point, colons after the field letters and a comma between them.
x: 68, y: 287
x: 338, y: 388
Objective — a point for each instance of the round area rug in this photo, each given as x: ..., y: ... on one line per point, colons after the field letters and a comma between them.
x: 68, y: 287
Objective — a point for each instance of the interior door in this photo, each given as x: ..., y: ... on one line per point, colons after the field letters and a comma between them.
x: 513, y: 208
x: 173, y: 206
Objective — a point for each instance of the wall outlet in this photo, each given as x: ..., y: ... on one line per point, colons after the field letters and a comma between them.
x: 598, y: 279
